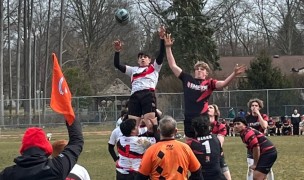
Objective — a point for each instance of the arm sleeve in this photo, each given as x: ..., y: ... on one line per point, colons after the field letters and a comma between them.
x: 197, y: 175
x: 112, y: 152
x: 117, y: 64
x: 69, y: 156
x: 160, y: 57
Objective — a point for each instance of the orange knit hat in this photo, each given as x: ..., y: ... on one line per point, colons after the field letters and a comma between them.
x: 35, y: 137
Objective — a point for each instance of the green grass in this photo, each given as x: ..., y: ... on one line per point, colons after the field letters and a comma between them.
x: 97, y: 160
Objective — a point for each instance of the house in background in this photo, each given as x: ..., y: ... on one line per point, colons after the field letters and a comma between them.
x: 287, y: 65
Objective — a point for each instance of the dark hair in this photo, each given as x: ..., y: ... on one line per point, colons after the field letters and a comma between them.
x: 201, y: 125
x: 127, y: 126
x: 143, y: 54
x: 240, y: 119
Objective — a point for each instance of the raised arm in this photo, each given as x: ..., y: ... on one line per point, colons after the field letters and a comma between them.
x: 237, y: 71
x: 72, y: 150
x: 160, y: 57
x: 171, y: 61
x: 117, y: 47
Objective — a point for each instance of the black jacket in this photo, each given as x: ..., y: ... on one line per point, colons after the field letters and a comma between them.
x: 34, y: 164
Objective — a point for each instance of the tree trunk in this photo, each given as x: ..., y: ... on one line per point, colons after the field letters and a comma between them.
x: 61, y: 32
x: 30, y: 17
x: 9, y: 59
x: 25, y: 62
x: 1, y: 64
x: 46, y: 61
x: 18, y: 62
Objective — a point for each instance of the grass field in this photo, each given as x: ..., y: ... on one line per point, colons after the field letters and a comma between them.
x: 97, y: 160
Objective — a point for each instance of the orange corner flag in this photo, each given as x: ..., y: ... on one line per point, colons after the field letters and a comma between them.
x: 61, y: 98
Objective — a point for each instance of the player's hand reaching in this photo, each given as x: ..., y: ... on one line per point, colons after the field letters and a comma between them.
x: 168, y: 40
x: 117, y: 45
x: 162, y: 32
x: 239, y: 69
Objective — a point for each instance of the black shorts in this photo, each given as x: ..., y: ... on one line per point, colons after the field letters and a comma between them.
x: 142, y: 102
x: 272, y: 130
x: 130, y: 176
x: 286, y: 130
x: 266, y: 161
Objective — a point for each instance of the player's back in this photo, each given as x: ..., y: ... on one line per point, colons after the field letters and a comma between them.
x: 207, y: 149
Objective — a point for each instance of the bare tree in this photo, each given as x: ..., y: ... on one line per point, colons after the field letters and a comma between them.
x: 62, y: 7
x: 18, y: 61
x: 47, y: 46
x: 1, y: 65
x: 9, y: 58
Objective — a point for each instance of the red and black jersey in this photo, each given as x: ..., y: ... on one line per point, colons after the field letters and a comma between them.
x: 286, y: 123
x: 196, y: 94
x: 208, y: 151
x: 271, y: 123
x: 253, y: 138
x: 218, y: 128
x: 253, y: 122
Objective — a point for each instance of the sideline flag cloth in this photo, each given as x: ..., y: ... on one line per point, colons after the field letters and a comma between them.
x: 61, y: 98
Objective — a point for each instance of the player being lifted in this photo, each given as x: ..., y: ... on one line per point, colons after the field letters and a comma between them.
x: 197, y: 89
x: 144, y: 78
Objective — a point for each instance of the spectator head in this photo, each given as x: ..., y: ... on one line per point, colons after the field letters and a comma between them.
x: 128, y: 127
x: 58, y: 147
x: 201, y: 126
x: 255, y: 101
x: 36, y: 137
x: 167, y: 127
x: 295, y: 111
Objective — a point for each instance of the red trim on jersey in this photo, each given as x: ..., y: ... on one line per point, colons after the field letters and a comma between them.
x: 206, y: 93
x: 147, y: 71
x: 126, y: 152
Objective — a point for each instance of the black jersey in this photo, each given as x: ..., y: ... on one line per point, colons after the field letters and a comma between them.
x: 196, y: 94
x: 208, y: 151
x: 253, y: 122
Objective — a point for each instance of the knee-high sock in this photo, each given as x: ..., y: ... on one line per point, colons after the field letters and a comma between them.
x: 270, y: 175
x: 249, y: 171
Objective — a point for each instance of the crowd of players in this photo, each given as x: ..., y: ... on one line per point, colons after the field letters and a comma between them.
x: 277, y: 125
x: 155, y: 153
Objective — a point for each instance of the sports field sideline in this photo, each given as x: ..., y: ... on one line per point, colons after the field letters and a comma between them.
x: 97, y: 160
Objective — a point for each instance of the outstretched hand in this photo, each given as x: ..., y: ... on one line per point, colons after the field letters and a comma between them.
x: 162, y: 32
x: 239, y: 69
x: 117, y: 45
x: 168, y: 40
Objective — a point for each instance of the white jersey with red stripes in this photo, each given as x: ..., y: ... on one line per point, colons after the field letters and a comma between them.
x: 130, y: 152
x: 143, y: 77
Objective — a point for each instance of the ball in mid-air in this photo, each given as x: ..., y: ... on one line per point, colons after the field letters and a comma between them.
x: 122, y: 16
